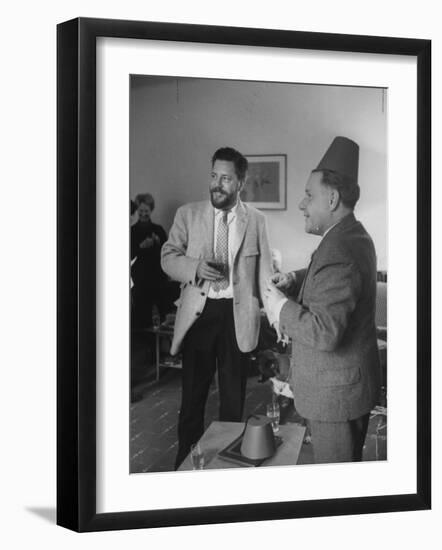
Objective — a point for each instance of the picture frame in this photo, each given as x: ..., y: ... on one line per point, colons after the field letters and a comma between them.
x: 78, y: 471
x: 266, y: 182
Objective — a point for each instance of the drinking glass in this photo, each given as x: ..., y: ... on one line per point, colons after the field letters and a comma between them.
x: 273, y: 414
x: 219, y: 265
x: 197, y: 457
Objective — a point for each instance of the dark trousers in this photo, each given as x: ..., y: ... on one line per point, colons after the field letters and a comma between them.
x: 338, y: 441
x: 209, y: 344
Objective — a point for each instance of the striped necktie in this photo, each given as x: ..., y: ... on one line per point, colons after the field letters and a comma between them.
x: 222, y: 252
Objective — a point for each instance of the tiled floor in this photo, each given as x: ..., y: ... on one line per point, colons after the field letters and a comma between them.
x: 154, y: 414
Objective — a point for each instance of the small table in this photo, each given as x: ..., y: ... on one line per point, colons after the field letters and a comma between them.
x: 219, y: 434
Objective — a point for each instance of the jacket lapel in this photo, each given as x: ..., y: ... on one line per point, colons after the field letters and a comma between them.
x: 241, y: 226
x: 206, y: 228
x: 301, y: 291
x: 342, y: 225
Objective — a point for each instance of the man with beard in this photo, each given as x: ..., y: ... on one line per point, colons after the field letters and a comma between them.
x: 219, y: 251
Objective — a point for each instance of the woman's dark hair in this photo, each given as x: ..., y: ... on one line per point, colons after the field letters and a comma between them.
x: 232, y: 155
x: 145, y: 198
x: 347, y: 188
x: 133, y: 207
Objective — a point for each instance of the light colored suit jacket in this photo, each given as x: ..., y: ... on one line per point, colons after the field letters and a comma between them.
x: 335, y: 362
x: 190, y: 240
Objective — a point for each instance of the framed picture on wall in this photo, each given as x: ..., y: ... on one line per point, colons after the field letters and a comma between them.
x: 96, y: 61
x: 266, y: 182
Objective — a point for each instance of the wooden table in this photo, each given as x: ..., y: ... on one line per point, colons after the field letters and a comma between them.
x: 219, y: 434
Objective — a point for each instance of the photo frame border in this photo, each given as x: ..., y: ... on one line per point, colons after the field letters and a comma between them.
x: 76, y: 273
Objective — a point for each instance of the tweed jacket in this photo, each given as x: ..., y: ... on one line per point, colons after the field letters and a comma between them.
x: 335, y: 362
x: 191, y: 239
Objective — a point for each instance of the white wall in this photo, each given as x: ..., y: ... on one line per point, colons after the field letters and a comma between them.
x: 177, y: 124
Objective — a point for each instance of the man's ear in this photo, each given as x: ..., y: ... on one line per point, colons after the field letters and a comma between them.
x: 334, y: 199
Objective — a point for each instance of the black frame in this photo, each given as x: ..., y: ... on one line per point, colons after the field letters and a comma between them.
x: 76, y: 272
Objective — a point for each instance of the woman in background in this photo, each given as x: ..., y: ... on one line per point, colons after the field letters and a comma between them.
x: 149, y: 281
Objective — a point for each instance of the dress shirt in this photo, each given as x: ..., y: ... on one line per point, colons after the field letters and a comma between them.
x: 233, y: 236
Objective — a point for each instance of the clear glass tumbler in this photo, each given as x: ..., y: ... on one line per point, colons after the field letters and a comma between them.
x: 197, y: 457
x: 273, y: 414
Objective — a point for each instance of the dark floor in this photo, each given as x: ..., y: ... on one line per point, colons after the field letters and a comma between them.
x: 155, y: 405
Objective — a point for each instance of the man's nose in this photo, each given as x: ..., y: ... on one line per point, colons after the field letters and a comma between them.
x: 301, y: 205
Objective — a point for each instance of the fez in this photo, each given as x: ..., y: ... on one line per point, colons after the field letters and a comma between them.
x: 342, y: 157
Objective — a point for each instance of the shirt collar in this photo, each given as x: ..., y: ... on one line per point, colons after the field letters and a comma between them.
x: 347, y: 217
x: 329, y: 229
x: 232, y: 211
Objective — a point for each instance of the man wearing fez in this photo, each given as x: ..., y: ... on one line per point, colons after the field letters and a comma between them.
x: 219, y: 251
x: 328, y: 311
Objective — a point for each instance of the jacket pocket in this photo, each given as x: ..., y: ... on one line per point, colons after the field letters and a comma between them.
x: 251, y: 252
x: 339, y: 377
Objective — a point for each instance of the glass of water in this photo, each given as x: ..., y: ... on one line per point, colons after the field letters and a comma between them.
x: 273, y: 414
x: 197, y: 457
